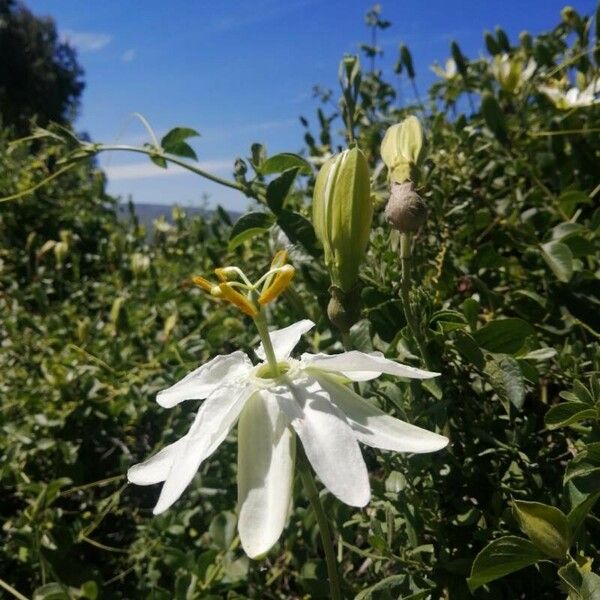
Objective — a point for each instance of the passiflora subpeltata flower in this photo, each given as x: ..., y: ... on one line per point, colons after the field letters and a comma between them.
x: 275, y: 402
x: 309, y: 399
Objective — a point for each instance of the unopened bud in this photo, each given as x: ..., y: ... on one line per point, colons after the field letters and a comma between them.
x: 406, y: 210
x: 342, y: 214
x: 402, y: 148
x: 569, y: 15
x: 526, y: 40
x: 61, y: 251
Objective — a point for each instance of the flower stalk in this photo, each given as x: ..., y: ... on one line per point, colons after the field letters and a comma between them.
x: 265, y: 338
x: 310, y: 488
x: 405, y: 285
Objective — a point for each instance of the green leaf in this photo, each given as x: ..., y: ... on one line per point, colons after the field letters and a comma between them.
x: 568, y: 201
x: 580, y: 584
x: 493, y: 116
x: 572, y: 577
x: 540, y: 354
x: 174, y: 142
x: 590, y: 588
x: 298, y: 229
x: 568, y: 413
x: 247, y: 226
x: 506, y: 336
x: 559, y: 258
x: 506, y: 378
x: 468, y: 349
x: 502, y: 557
x: 51, y: 591
x: 546, y: 526
x: 222, y: 529
x: 279, y: 188
x: 382, y: 589
x: 583, y: 393
x: 586, y: 463
x: 279, y: 163
x: 579, y: 512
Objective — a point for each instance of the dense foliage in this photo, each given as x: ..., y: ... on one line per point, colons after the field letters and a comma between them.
x: 98, y: 315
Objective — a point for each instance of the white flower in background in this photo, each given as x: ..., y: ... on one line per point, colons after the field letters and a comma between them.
x: 512, y: 72
x: 448, y: 73
x: 574, y: 97
x: 309, y: 399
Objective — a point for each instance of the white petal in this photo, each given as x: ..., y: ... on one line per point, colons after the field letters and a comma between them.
x: 213, y: 422
x: 378, y: 429
x: 156, y: 468
x: 359, y: 366
x: 202, y: 382
x: 328, y: 440
x: 285, y: 340
x: 572, y: 96
x: 266, y: 450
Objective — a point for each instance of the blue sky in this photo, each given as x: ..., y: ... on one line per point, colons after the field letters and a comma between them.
x: 242, y: 71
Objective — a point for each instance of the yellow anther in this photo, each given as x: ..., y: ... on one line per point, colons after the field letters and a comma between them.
x: 279, y: 259
x: 203, y: 283
x: 238, y: 300
x: 215, y: 291
x: 280, y: 282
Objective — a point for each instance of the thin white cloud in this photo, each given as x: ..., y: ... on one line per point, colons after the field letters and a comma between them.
x: 147, y: 170
x: 86, y: 41
x: 128, y: 55
x: 257, y: 12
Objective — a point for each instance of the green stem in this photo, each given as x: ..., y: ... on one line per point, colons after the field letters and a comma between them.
x: 409, y: 315
x: 97, y: 148
x: 263, y: 331
x: 308, y: 481
x: 9, y: 588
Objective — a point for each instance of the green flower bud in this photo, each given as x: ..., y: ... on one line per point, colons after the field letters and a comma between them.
x: 526, y: 40
x: 342, y: 214
x: 406, y: 210
x: 402, y: 148
x: 61, y: 251
x: 569, y: 15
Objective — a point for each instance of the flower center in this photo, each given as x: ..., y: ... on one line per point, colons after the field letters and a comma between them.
x: 264, y: 371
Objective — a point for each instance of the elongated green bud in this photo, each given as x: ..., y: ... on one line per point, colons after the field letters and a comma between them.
x: 402, y: 149
x: 342, y: 214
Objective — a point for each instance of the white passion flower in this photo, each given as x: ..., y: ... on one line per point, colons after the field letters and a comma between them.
x: 574, y: 97
x: 308, y: 399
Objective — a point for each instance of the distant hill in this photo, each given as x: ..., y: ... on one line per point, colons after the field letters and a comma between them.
x: 147, y: 213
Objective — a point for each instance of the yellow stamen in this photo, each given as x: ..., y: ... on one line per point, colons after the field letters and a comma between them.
x: 238, y: 300
x: 279, y: 259
x: 203, y: 283
x: 279, y: 284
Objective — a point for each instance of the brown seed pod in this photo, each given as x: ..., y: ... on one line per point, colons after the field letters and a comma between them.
x: 406, y: 211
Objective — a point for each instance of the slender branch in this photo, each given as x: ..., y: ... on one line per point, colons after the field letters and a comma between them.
x: 9, y: 588
x: 39, y: 184
x: 97, y: 148
x: 308, y: 481
x: 409, y: 315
